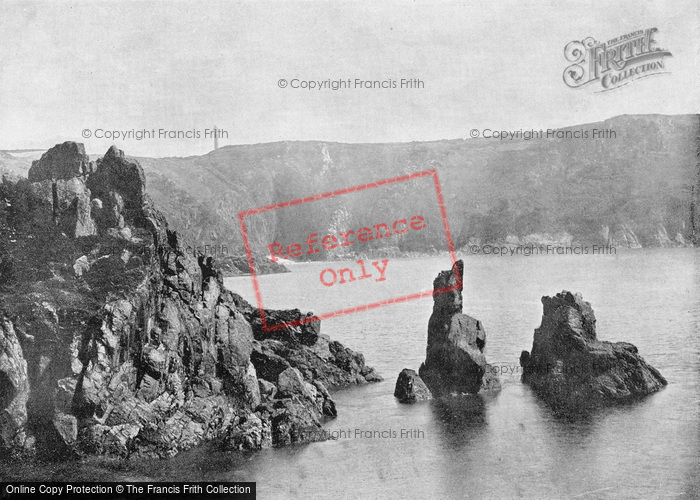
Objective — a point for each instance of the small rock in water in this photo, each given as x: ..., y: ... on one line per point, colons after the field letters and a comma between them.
x: 411, y: 388
x: 455, y: 360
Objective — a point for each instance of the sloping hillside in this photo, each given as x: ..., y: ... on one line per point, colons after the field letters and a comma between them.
x: 633, y: 188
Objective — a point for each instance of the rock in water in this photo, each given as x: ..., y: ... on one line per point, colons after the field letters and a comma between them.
x: 455, y: 360
x: 411, y: 388
x: 570, y: 367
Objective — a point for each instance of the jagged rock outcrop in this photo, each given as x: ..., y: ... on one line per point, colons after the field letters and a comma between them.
x: 570, y: 367
x: 118, y: 341
x: 411, y: 388
x: 119, y: 182
x: 455, y: 360
x: 62, y: 162
x: 303, y: 347
x: 58, y: 178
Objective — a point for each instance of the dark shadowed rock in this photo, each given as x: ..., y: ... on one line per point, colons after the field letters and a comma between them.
x: 115, y: 173
x: 59, y: 180
x: 455, y: 360
x: 569, y: 366
x: 301, y: 345
x: 267, y: 362
x: 63, y: 161
x: 289, y: 326
x: 411, y: 388
x: 330, y: 363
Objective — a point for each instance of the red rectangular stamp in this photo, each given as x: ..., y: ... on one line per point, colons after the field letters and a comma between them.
x: 406, y: 213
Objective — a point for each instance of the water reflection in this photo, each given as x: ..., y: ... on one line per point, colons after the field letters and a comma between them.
x: 460, y: 419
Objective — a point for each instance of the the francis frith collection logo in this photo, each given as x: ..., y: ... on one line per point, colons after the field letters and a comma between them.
x: 614, y: 63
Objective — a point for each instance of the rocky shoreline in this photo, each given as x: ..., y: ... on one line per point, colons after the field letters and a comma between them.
x: 139, y: 351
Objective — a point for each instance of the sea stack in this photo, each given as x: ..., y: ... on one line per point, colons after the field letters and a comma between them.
x: 569, y: 366
x: 455, y: 362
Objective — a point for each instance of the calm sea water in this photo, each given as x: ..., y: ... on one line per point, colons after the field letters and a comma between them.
x: 509, y: 445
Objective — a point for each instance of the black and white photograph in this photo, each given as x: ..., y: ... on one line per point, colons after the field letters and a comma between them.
x: 338, y: 250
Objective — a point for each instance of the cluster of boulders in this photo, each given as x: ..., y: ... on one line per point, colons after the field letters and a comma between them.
x: 568, y: 366
x: 114, y: 340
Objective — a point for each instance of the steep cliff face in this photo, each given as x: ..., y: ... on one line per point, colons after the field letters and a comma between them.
x: 114, y: 340
x: 631, y: 190
x: 618, y: 191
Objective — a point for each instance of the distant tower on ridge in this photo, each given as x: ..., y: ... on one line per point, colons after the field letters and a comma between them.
x: 216, y: 138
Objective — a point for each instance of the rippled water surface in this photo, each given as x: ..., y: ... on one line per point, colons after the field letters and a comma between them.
x: 508, y: 445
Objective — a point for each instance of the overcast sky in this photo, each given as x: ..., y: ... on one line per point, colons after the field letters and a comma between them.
x: 65, y: 67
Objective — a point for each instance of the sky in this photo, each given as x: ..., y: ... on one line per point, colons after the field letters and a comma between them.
x: 69, y: 69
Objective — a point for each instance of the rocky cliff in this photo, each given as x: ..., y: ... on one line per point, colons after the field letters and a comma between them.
x: 115, y: 340
x: 570, y: 367
x: 627, y: 191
